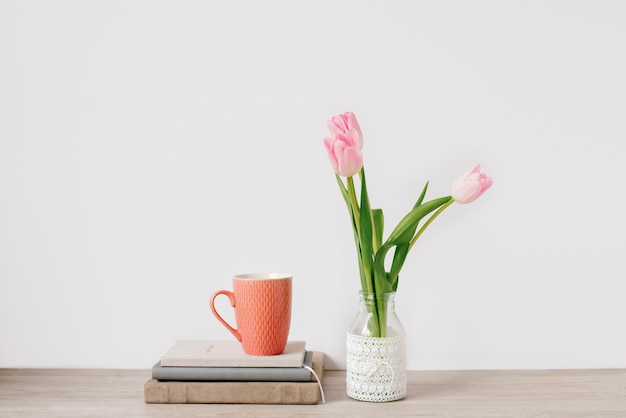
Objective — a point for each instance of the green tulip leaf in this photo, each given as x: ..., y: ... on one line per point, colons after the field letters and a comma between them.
x: 402, y: 249
x: 379, y: 225
x: 346, y: 196
x: 402, y: 235
x: 366, y: 226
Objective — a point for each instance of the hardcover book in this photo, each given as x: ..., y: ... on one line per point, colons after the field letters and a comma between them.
x: 241, y: 374
x: 293, y: 393
x: 194, y: 353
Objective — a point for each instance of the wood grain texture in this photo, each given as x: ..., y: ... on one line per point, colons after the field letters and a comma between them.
x: 450, y: 394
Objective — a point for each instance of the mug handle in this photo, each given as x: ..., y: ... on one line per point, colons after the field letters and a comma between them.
x: 231, y: 296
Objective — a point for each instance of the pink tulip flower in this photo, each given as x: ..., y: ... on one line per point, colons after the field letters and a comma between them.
x: 470, y: 186
x: 344, y: 148
x: 345, y: 156
x: 345, y: 124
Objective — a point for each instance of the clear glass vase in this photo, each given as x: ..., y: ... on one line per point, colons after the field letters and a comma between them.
x: 376, y: 351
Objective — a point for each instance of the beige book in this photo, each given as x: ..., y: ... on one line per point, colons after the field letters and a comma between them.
x: 195, y: 353
x: 294, y: 393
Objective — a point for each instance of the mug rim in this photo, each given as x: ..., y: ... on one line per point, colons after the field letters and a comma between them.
x: 262, y: 276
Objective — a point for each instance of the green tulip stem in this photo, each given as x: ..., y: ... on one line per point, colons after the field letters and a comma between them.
x: 429, y: 221
x: 355, y: 205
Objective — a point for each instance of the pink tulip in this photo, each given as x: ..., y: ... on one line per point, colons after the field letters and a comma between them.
x: 345, y: 157
x: 346, y: 124
x: 470, y: 186
x: 344, y: 148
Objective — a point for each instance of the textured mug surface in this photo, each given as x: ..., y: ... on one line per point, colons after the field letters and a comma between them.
x: 262, y: 303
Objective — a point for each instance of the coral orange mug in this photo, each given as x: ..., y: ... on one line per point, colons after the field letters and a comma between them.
x: 262, y: 303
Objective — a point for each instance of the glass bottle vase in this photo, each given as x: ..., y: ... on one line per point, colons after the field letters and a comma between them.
x: 376, y: 351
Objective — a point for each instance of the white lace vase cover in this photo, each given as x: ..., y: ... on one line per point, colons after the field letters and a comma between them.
x: 376, y: 368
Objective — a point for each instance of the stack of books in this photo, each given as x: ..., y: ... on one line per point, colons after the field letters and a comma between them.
x: 220, y: 372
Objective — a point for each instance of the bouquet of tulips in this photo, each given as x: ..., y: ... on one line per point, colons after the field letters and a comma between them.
x: 344, y: 149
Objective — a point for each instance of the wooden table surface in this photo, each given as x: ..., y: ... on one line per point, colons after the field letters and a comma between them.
x: 467, y: 394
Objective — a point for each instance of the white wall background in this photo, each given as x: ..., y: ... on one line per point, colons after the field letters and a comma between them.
x: 151, y: 150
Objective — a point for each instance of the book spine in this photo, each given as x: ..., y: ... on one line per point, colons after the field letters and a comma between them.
x: 294, y: 393
x: 239, y: 374
x: 191, y: 353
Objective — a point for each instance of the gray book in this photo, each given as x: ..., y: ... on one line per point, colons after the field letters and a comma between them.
x: 235, y: 374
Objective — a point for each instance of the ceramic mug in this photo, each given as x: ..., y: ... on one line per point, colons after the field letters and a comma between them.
x: 262, y: 303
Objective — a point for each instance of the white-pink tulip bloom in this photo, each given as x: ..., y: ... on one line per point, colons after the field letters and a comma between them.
x: 344, y: 148
x: 470, y: 186
x: 346, y: 124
